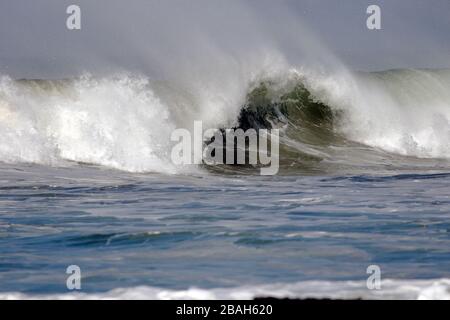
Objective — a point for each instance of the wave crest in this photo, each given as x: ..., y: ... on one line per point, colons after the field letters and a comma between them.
x: 397, y: 118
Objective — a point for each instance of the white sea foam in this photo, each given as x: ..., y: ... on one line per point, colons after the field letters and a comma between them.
x: 116, y: 122
x: 438, y: 289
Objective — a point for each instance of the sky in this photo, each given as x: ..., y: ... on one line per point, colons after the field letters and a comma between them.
x: 160, y: 37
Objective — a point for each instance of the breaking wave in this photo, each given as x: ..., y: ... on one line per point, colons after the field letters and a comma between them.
x: 396, y: 118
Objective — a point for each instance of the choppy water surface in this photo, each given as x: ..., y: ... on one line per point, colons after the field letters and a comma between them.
x: 217, y: 231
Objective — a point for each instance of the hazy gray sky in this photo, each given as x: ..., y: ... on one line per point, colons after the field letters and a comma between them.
x: 155, y: 35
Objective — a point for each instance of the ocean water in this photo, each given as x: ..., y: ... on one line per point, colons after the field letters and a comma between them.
x: 214, y: 232
x: 86, y: 180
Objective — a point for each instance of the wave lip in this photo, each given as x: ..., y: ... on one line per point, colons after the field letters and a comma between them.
x: 437, y: 289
